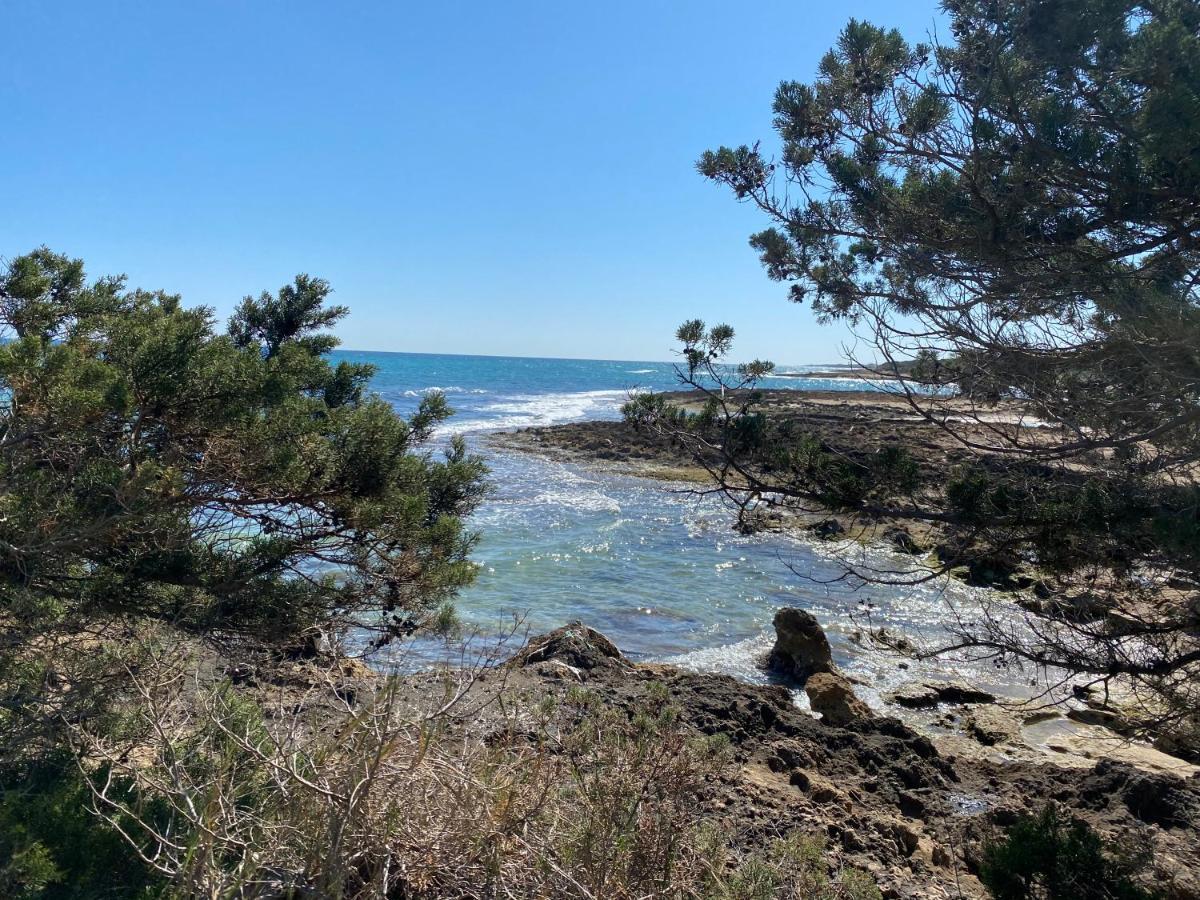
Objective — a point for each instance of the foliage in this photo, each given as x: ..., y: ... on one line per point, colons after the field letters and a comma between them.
x: 158, y: 475
x: 570, y: 797
x: 1050, y: 858
x: 51, y: 846
x: 153, y: 467
x: 1008, y: 220
x: 632, y: 794
x: 794, y: 867
x: 1013, y: 213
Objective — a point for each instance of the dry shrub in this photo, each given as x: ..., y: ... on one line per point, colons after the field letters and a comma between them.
x: 463, y: 795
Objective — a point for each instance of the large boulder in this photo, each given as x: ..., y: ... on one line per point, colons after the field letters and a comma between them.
x: 832, y: 696
x: 801, y: 648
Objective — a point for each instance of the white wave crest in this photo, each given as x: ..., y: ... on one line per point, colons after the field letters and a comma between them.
x: 526, y: 410
x: 742, y: 660
x: 451, y: 389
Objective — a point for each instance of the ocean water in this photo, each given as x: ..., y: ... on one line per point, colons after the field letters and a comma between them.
x: 656, y: 568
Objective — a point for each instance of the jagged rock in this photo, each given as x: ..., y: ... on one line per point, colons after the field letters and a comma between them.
x: 575, y: 645
x: 801, y: 648
x: 1155, y: 798
x: 832, y: 696
x: 914, y: 696
x: 992, y: 725
x: 921, y: 694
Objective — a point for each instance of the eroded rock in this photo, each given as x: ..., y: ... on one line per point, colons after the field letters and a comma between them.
x: 991, y: 725
x: 925, y: 694
x: 832, y: 696
x: 801, y: 648
x: 576, y: 645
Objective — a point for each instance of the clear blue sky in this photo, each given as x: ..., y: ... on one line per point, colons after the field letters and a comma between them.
x: 505, y: 178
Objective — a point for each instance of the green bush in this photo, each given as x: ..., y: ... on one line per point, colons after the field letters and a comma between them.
x: 1048, y: 857
x: 53, y: 848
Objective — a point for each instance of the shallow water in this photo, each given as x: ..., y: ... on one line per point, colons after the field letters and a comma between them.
x: 654, y: 567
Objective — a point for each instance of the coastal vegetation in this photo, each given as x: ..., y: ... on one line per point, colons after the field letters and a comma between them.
x: 203, y: 533
x: 1009, y: 222
x: 217, y: 546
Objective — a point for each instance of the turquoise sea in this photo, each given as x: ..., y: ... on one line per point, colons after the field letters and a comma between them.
x: 658, y: 570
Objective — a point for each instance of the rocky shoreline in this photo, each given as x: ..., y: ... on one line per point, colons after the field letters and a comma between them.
x: 911, y: 811
x: 908, y: 810
x: 839, y: 418
x: 1008, y: 754
x: 848, y: 419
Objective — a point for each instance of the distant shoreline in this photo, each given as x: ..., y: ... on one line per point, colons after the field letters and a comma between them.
x: 844, y: 374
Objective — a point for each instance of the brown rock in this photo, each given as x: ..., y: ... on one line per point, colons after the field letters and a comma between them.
x: 801, y: 648
x: 992, y: 725
x: 576, y: 646
x: 832, y: 697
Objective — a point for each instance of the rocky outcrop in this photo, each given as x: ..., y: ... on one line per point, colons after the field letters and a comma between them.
x: 801, y: 648
x: 886, y: 798
x: 577, y: 647
x: 827, y: 529
x: 832, y: 696
x: 992, y: 725
x: 925, y: 694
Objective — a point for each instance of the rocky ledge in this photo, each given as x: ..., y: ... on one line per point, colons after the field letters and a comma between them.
x: 889, y: 800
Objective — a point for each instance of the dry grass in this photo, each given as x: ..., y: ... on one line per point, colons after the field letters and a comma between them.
x: 566, y: 797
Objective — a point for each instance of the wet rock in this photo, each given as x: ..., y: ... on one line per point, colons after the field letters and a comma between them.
x: 833, y: 697
x: 901, y: 540
x: 801, y: 648
x: 924, y: 694
x: 914, y: 696
x: 961, y: 692
x: 575, y: 645
x: 991, y: 725
x: 1035, y: 716
x: 827, y: 528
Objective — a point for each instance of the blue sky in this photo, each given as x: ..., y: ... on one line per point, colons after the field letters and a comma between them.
x: 504, y: 178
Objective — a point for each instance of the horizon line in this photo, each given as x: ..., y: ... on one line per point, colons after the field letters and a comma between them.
x: 664, y: 362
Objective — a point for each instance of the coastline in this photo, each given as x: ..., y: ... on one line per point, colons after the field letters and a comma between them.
x: 846, y: 418
x: 882, y: 797
x: 1069, y: 735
